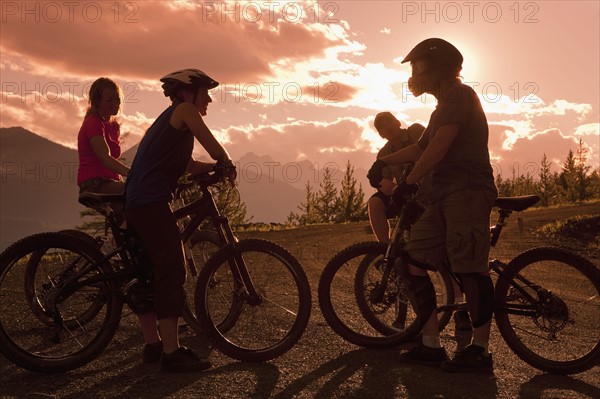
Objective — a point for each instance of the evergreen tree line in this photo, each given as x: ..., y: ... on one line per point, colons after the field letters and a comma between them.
x: 345, y: 202
x: 574, y: 183
x: 328, y: 205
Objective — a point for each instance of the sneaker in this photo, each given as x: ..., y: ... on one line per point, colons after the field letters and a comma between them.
x: 151, y: 352
x: 462, y: 321
x: 422, y: 354
x: 470, y: 360
x: 183, y: 360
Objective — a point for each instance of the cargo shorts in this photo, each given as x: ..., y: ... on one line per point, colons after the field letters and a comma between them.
x: 456, y: 228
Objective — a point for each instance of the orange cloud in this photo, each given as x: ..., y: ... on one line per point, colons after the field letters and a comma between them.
x: 331, y: 92
x: 150, y: 39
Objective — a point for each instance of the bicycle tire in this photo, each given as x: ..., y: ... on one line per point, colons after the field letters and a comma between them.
x: 82, y: 235
x: 202, y: 244
x: 30, y: 288
x: 562, y: 333
x: 36, y: 346
x: 375, y: 309
x: 336, y: 284
x: 268, y: 327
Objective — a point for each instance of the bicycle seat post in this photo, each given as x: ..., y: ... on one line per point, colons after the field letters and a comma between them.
x: 495, y: 231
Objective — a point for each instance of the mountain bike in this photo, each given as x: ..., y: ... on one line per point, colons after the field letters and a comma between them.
x: 249, y: 284
x: 198, y: 247
x: 547, y: 299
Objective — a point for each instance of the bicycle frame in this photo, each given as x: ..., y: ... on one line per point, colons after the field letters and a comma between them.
x: 400, y: 234
x: 196, y: 211
x: 199, y: 210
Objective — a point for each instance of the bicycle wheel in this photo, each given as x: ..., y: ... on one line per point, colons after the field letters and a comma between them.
x: 64, y: 292
x: 36, y: 285
x: 268, y: 325
x: 340, y: 290
x: 203, y: 244
x: 548, y: 310
x: 388, y: 310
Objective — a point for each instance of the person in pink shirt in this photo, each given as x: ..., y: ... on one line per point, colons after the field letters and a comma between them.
x: 98, y: 141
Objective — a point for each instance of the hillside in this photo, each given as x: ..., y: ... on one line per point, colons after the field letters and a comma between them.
x: 38, y: 190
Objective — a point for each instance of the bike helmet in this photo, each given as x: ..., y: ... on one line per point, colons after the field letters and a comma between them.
x: 191, y: 78
x: 438, y: 51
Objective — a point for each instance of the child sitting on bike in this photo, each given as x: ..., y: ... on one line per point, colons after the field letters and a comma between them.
x: 164, y: 155
x: 453, y: 151
x: 98, y: 141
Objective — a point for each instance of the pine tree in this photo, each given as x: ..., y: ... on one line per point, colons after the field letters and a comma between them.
x: 567, y: 178
x: 595, y: 183
x: 582, y: 180
x: 307, y: 209
x: 351, y: 201
x: 230, y: 204
x: 547, y: 186
x: 327, y: 203
x: 226, y: 198
x: 505, y: 187
x: 92, y: 222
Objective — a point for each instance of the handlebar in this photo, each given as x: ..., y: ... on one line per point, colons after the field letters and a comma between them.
x: 204, y: 180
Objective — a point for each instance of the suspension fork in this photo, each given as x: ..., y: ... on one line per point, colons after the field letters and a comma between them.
x: 236, y: 261
x: 392, y: 253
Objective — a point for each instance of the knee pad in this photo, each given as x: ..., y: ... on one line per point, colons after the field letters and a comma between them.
x: 422, y: 296
x: 480, y: 286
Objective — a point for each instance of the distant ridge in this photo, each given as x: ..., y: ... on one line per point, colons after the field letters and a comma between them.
x: 38, y: 189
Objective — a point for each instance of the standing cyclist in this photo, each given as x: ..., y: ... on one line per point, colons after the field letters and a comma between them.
x: 453, y: 150
x: 164, y: 155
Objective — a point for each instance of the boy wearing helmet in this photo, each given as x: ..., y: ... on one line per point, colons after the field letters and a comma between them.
x: 397, y: 138
x: 453, y: 152
x: 164, y: 155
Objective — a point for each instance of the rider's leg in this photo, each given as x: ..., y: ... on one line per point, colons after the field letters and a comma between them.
x: 467, y: 213
x: 157, y: 227
x: 148, y: 326
x: 425, y: 305
x: 426, y: 245
x: 378, y: 219
x: 169, y: 333
x: 479, y: 291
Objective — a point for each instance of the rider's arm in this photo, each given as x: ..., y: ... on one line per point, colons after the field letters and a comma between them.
x: 199, y: 168
x: 434, y: 153
x: 387, y: 186
x: 100, y: 148
x: 407, y: 154
x: 186, y: 114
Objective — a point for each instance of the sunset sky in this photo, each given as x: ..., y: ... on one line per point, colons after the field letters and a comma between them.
x: 303, y: 80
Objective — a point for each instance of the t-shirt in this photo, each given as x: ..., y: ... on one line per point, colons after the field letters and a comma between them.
x: 467, y: 162
x: 161, y: 159
x: 407, y: 137
x: 90, y: 166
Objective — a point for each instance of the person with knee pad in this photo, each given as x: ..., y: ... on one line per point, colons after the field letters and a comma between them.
x: 379, y: 205
x: 453, y: 153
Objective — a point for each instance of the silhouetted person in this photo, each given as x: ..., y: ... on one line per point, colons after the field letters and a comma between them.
x: 163, y: 156
x: 453, y: 150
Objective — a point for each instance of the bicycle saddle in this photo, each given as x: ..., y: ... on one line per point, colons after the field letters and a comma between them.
x: 95, y: 199
x: 516, y: 203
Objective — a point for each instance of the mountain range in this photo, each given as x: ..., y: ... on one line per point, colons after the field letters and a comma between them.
x: 38, y: 190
